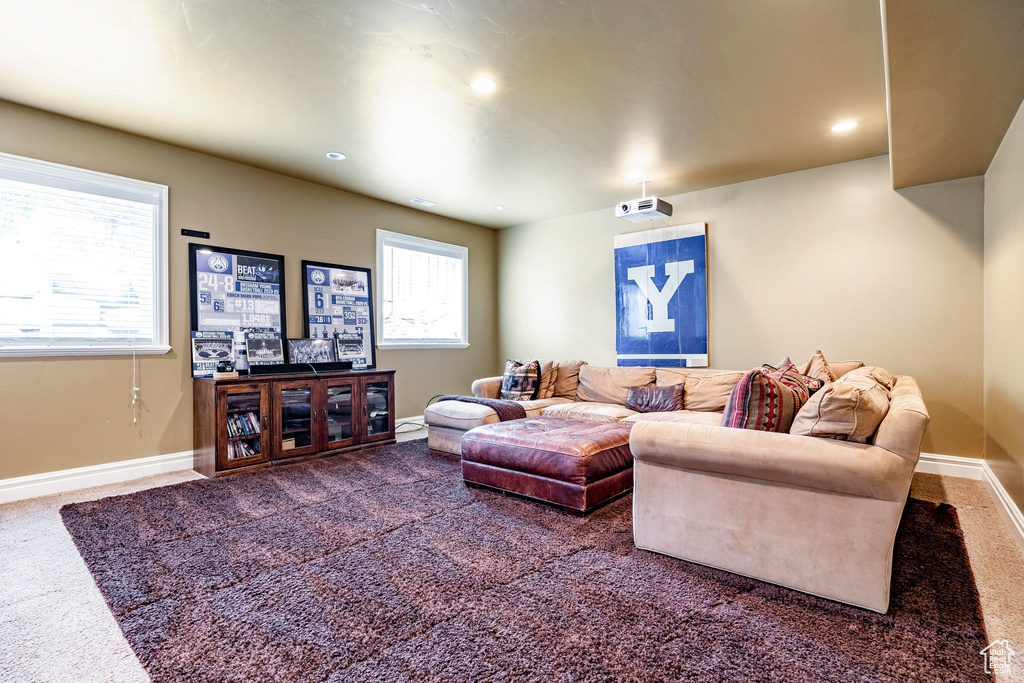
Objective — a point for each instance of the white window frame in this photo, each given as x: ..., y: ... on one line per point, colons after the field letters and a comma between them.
x: 49, y: 174
x: 397, y: 239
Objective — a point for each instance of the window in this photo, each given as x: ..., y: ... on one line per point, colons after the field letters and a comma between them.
x: 423, y: 292
x: 83, y: 261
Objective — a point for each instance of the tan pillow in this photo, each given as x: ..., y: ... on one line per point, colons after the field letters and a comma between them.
x: 567, y: 378
x: 547, y: 379
x: 818, y: 367
x: 709, y: 392
x: 611, y: 385
x: 840, y: 368
x: 850, y: 408
x: 880, y: 375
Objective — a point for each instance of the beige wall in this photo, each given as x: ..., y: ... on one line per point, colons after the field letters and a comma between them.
x: 71, y: 412
x: 1004, y: 311
x: 829, y: 258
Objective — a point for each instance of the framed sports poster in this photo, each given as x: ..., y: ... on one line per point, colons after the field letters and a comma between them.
x: 661, y: 297
x: 210, y: 348
x: 339, y: 305
x: 237, y: 291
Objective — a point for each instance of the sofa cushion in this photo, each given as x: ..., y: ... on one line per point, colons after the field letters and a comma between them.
x: 765, y: 401
x: 902, y: 430
x: 567, y: 378
x: 521, y: 381
x: 611, y: 385
x: 850, y: 408
x: 687, y: 416
x: 459, y: 415
x: 589, y: 410
x: 655, y: 399
x: 709, y: 392
x: 880, y: 375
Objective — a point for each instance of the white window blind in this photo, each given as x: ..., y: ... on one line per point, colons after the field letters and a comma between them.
x: 423, y: 286
x: 83, y: 265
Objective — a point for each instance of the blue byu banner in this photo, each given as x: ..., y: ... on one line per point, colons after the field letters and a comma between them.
x: 661, y: 297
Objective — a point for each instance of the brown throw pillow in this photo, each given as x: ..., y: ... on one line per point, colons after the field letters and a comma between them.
x: 655, y: 399
x: 521, y: 381
x: 818, y: 367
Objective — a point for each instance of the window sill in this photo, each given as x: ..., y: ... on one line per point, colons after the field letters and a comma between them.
x: 425, y: 345
x: 30, y: 351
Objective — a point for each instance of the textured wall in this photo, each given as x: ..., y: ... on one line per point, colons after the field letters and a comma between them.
x: 1004, y: 311
x: 829, y: 258
x: 58, y: 413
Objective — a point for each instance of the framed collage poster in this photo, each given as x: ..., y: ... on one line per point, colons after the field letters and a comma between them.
x: 338, y: 302
x: 661, y: 297
x: 236, y: 294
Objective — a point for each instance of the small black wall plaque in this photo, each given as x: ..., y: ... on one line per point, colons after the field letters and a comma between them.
x: 195, y: 233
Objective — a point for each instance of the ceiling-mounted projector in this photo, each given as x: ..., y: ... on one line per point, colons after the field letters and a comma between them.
x: 645, y: 209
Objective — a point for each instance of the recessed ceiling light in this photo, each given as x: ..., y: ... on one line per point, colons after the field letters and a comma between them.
x: 337, y: 156
x: 497, y: 207
x: 844, y: 126
x: 484, y: 85
x: 422, y: 202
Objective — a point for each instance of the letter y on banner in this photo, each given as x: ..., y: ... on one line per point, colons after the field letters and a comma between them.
x: 661, y: 292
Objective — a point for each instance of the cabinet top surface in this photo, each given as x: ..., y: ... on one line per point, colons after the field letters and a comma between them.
x: 299, y: 375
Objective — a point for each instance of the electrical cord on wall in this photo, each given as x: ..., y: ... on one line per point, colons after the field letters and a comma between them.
x: 418, y: 425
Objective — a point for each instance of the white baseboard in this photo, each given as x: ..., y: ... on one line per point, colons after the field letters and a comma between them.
x: 48, y: 483
x: 977, y: 469
x: 951, y: 466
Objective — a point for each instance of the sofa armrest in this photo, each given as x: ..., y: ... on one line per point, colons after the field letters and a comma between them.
x: 487, y: 387
x: 808, y: 462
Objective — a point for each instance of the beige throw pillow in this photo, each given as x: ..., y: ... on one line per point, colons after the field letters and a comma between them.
x: 850, y: 408
x: 840, y: 368
x: 817, y: 367
x: 611, y: 385
x: 548, y: 371
x: 567, y: 378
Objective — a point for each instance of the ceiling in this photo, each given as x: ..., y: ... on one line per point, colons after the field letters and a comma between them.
x: 956, y: 80
x: 693, y: 94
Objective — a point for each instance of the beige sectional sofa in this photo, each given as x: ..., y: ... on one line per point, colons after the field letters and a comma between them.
x: 591, y: 393
x: 815, y: 514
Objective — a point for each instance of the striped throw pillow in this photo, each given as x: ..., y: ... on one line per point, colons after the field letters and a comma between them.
x: 766, y: 400
x: 521, y: 381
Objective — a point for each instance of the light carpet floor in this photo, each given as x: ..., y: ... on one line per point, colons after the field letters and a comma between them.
x: 55, y: 625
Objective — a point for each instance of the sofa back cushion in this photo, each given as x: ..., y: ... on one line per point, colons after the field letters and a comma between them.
x: 521, y: 381
x: 567, y: 378
x: 765, y: 401
x: 902, y: 430
x: 850, y: 408
x: 611, y: 385
x: 704, y: 389
x: 655, y: 399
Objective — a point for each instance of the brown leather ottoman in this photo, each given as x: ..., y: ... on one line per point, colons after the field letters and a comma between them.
x: 578, y: 464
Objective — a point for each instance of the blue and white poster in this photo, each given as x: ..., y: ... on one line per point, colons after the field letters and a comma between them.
x: 238, y: 292
x: 339, y: 306
x: 661, y: 296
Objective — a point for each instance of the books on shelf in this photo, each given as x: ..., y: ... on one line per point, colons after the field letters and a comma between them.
x: 243, y: 424
x: 242, y: 449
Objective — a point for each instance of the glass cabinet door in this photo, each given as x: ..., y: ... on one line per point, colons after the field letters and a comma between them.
x: 380, y: 422
x: 295, y: 418
x: 338, y: 412
x: 242, y: 423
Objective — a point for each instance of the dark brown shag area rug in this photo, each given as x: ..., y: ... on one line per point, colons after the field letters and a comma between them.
x: 382, y: 566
